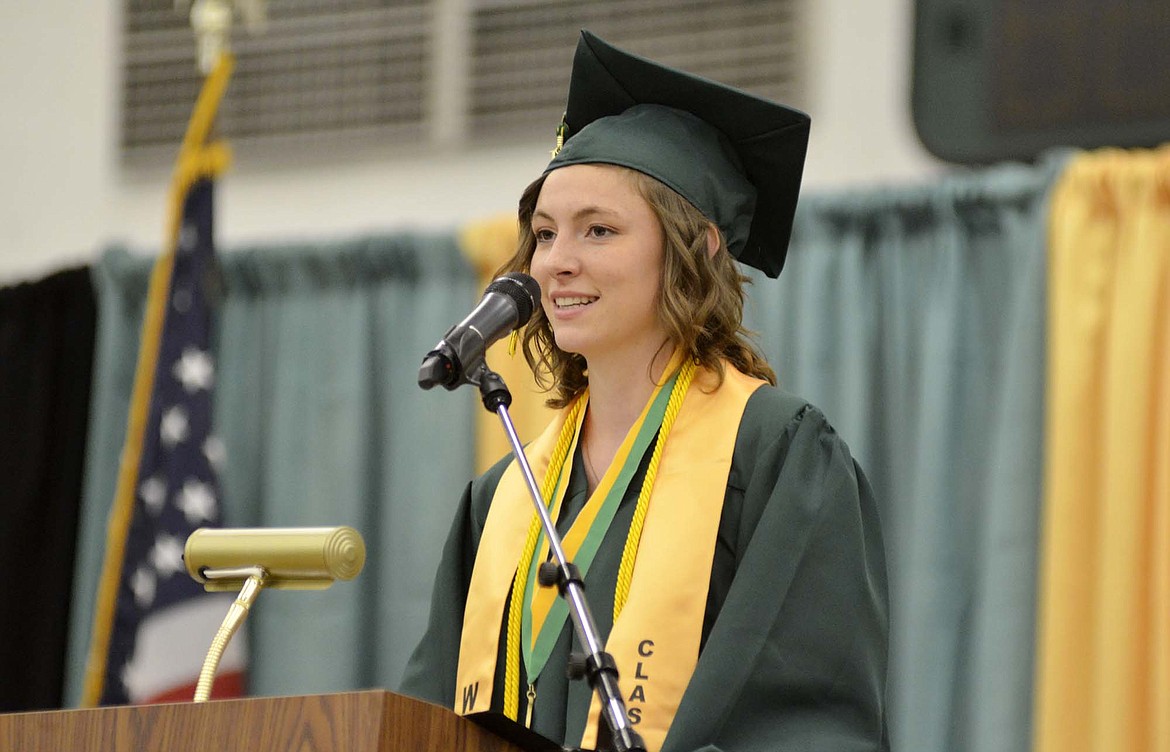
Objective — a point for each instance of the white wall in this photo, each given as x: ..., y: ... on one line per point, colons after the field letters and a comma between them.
x: 64, y: 195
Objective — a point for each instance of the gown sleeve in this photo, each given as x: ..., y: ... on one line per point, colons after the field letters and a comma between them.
x: 796, y: 658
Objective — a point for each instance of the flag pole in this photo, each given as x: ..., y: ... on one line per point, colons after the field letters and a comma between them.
x: 197, y: 158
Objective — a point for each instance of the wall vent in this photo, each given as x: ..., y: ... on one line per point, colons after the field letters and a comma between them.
x: 425, y: 71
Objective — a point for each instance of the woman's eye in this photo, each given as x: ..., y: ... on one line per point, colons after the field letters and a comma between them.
x: 597, y: 231
x: 543, y: 235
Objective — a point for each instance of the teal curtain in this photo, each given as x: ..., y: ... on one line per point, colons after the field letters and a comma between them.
x: 914, y: 318
x: 323, y: 422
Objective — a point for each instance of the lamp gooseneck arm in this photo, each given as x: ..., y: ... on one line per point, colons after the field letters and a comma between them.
x: 236, y: 614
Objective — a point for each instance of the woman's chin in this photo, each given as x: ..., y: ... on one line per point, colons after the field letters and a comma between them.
x: 571, y: 344
x: 570, y: 347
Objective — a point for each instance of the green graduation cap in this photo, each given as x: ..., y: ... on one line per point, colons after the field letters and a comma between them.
x: 738, y: 158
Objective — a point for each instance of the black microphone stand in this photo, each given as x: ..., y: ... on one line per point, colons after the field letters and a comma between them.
x: 599, y: 667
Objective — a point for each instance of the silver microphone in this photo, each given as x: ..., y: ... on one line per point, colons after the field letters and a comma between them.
x: 508, y: 303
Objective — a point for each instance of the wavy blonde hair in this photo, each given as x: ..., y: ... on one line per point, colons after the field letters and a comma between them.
x: 700, y: 301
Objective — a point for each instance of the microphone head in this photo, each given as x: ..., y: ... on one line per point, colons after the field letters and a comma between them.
x: 522, y: 289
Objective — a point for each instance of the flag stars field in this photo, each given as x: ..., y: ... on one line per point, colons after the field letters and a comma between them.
x: 174, y: 427
x: 153, y: 492
x: 188, y: 237
x: 182, y: 300
x: 195, y: 370
x: 167, y: 555
x: 197, y: 502
x: 144, y: 584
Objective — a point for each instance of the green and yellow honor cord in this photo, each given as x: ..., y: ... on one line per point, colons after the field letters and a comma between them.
x: 554, y: 478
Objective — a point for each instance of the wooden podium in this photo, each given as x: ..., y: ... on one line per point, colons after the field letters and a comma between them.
x: 370, y: 721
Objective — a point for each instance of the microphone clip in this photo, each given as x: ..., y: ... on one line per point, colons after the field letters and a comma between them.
x: 493, y: 392
x: 444, y: 366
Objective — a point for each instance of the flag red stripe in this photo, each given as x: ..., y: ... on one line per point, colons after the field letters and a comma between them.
x: 228, y: 685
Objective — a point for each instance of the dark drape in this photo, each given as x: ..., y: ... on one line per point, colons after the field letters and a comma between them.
x: 46, y: 355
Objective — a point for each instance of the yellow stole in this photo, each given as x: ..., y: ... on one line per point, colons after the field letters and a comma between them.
x: 655, y: 640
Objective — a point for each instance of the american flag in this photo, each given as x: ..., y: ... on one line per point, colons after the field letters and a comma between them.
x: 164, y: 621
x: 154, y: 624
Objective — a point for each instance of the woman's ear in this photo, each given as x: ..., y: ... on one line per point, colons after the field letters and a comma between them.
x: 712, y: 240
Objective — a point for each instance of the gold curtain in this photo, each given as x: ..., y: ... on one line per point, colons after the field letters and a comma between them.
x: 487, y: 245
x: 1103, y: 659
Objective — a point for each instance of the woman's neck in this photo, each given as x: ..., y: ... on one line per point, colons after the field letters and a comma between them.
x: 618, y: 391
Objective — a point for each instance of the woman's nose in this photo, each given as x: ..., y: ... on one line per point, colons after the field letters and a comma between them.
x: 562, y: 257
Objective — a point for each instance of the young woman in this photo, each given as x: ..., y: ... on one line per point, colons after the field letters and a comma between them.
x: 730, y: 544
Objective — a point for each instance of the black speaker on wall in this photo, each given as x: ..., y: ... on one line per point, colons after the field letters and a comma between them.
x: 1009, y: 79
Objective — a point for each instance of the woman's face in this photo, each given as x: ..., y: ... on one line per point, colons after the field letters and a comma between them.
x: 598, y: 259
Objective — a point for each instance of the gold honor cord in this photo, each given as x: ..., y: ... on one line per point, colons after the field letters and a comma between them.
x: 544, y: 613
x: 515, y: 606
x: 690, y: 484
x: 553, y: 475
x: 630, y: 552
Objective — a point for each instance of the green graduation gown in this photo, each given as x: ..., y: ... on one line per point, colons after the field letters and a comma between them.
x: 795, y: 634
